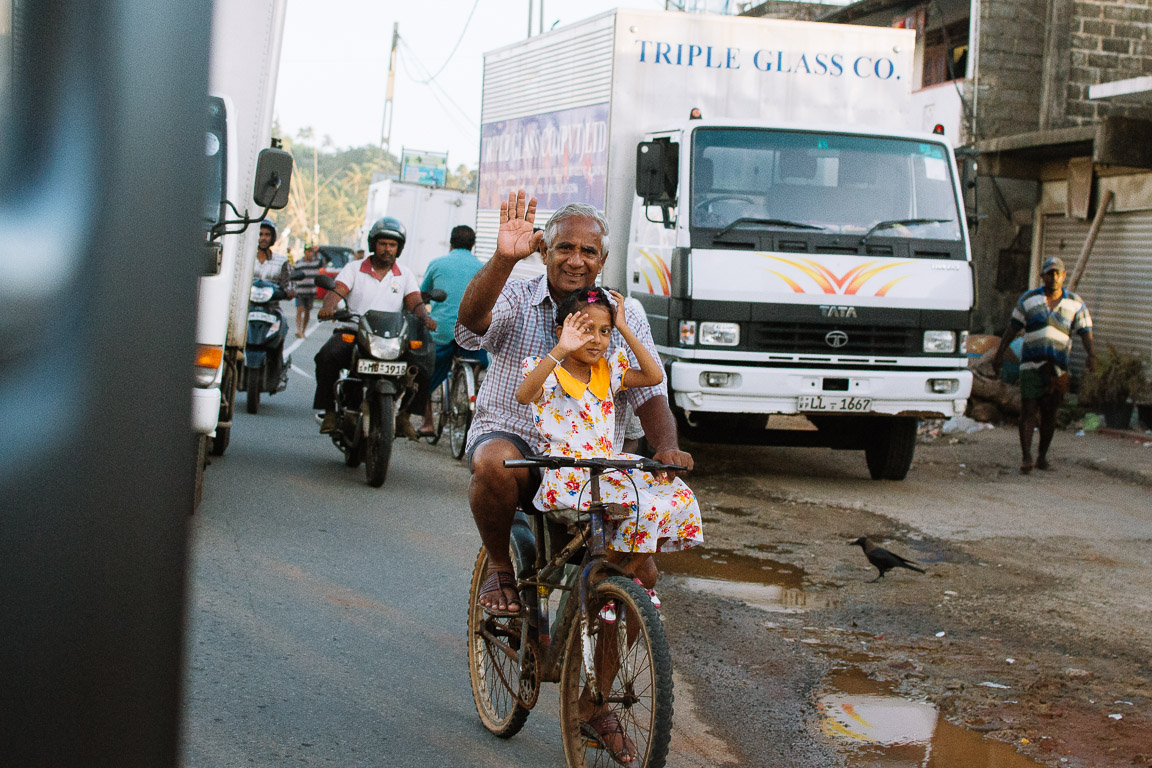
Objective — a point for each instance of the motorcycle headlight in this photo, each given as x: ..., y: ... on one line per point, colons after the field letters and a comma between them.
x: 260, y: 294
x: 385, y: 349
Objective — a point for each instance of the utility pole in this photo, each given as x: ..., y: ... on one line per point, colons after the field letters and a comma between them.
x: 386, y: 128
x: 531, y: 4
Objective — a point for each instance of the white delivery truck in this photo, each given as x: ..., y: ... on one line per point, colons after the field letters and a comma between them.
x: 802, y: 256
x: 245, y: 59
x: 427, y: 213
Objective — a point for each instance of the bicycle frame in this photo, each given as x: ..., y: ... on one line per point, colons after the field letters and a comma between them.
x: 547, y: 574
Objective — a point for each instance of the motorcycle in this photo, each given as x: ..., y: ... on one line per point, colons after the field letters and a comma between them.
x: 265, y: 369
x: 389, y: 348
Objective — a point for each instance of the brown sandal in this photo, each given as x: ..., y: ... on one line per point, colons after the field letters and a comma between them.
x: 605, y: 725
x: 498, y: 581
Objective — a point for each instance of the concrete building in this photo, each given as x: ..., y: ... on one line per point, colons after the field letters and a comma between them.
x: 1049, y: 103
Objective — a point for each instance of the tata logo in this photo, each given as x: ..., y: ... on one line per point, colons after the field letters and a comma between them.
x: 836, y: 339
x: 837, y: 312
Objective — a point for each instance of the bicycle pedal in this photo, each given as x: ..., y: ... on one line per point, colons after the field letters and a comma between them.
x: 608, y: 612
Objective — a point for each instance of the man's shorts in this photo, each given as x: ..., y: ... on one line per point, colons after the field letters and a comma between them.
x: 304, y: 301
x: 1037, y: 383
x: 525, y: 450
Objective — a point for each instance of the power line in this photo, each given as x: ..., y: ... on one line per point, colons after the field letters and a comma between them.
x: 433, y: 86
x: 458, y: 41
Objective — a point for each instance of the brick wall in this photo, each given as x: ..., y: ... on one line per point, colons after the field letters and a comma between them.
x: 1109, y: 40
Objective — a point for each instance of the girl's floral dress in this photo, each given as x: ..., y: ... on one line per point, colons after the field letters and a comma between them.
x: 577, y: 419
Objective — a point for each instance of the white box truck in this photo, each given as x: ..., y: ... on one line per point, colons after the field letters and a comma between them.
x: 427, y: 213
x: 245, y: 60
x: 799, y: 251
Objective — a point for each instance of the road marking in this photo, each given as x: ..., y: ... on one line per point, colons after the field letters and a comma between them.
x: 294, y: 345
x: 305, y: 374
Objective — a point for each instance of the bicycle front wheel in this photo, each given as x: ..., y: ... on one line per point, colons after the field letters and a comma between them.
x: 463, y: 400
x: 494, y: 661
x: 633, y: 679
x: 439, y: 401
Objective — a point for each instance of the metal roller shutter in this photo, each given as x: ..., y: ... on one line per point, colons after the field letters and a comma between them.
x: 1117, y: 285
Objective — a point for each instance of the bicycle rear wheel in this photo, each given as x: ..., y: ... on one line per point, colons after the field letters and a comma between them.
x: 463, y: 398
x: 634, y: 673
x: 493, y: 661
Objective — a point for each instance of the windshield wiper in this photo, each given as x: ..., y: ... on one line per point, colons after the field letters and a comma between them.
x: 766, y: 222
x: 899, y: 223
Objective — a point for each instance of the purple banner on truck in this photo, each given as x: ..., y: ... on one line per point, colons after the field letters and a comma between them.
x: 560, y: 157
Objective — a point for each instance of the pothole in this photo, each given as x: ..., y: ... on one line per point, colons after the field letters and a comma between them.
x: 758, y: 582
x: 871, y: 727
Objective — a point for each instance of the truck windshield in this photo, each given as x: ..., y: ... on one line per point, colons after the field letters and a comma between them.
x: 748, y: 179
x: 216, y: 153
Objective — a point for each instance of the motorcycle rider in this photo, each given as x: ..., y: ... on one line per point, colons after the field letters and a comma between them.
x: 270, y: 266
x: 374, y: 283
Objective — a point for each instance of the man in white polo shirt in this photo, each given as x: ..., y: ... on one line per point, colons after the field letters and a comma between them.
x: 378, y: 283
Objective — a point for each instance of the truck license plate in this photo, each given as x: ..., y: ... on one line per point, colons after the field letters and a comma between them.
x: 384, y: 369
x: 834, y: 403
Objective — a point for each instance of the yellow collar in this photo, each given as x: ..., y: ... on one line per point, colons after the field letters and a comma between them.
x: 599, y: 383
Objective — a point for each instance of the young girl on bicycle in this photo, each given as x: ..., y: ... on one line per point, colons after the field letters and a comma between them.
x: 571, y: 390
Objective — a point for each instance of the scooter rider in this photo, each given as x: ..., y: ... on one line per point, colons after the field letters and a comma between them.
x: 374, y: 283
x: 270, y: 266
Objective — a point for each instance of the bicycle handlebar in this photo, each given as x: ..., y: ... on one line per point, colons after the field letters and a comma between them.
x: 556, y: 462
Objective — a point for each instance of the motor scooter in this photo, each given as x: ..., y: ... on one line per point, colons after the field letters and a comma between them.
x: 265, y: 368
x: 389, y: 349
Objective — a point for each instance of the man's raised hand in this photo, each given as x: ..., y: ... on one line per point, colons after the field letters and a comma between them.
x: 516, y: 240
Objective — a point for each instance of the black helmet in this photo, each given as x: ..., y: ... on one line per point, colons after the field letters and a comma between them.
x: 267, y: 224
x: 390, y: 228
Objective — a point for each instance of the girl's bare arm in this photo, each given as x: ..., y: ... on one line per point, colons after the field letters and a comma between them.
x: 650, y: 373
x: 573, y: 335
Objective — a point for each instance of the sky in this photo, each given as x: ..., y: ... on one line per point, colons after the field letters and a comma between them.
x: 334, y: 66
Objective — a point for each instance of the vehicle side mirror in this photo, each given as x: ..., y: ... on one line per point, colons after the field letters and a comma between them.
x: 325, y: 282
x: 657, y: 169
x: 436, y: 294
x: 273, y: 179
x: 297, y: 274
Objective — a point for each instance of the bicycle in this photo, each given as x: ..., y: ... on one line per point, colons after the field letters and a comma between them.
x: 607, y: 647
x: 454, y: 403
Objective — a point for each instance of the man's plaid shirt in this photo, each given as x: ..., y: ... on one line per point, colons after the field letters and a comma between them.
x: 523, y: 325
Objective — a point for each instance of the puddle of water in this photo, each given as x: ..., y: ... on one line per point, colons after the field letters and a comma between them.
x: 873, y: 727
x: 761, y: 583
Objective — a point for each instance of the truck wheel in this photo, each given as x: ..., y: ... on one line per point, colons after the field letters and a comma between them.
x: 201, y: 461
x: 255, y: 379
x: 219, y: 442
x: 890, y: 449
x: 381, y: 433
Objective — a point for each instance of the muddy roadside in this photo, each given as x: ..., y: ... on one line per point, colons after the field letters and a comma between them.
x: 1029, y: 633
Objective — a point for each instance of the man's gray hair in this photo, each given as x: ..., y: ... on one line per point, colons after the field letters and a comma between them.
x: 577, y: 209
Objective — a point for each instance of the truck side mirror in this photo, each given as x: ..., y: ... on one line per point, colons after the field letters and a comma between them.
x: 273, y: 179
x: 657, y: 165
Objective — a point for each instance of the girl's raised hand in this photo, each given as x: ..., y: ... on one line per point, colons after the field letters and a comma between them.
x: 619, y: 320
x: 575, y: 333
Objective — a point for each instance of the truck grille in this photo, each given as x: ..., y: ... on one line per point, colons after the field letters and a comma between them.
x: 809, y: 338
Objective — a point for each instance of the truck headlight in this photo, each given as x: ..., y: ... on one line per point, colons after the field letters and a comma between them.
x: 260, y: 294
x: 720, y: 334
x: 687, y: 333
x: 385, y: 349
x: 939, y: 341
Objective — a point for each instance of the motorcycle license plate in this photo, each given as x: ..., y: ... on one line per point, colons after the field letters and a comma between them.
x: 261, y: 316
x: 383, y: 369
x: 839, y: 404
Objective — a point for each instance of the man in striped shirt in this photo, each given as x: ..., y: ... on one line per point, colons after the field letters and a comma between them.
x: 515, y: 319
x: 1048, y: 316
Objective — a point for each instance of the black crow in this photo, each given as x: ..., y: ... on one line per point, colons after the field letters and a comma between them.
x: 883, y: 559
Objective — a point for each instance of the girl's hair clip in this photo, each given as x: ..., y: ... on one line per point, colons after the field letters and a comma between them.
x: 592, y: 297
